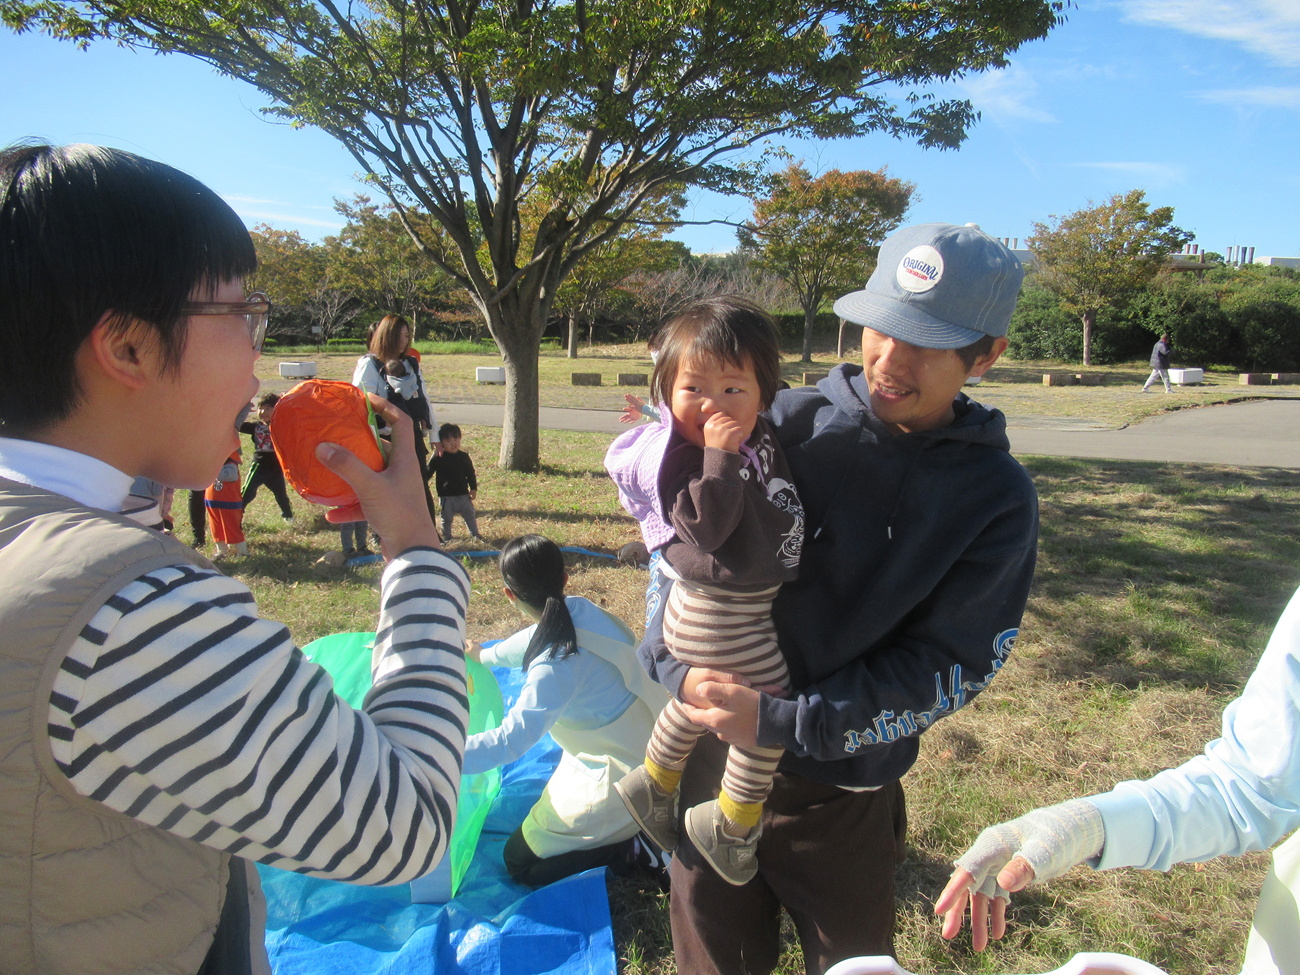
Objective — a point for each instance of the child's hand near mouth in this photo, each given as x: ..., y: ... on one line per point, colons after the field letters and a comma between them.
x: 723, y: 432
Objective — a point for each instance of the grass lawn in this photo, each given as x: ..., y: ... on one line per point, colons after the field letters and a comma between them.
x: 1156, y: 589
x: 1014, y: 387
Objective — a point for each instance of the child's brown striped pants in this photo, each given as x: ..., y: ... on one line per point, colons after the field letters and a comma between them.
x: 721, y: 629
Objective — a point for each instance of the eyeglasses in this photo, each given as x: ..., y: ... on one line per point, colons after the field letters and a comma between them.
x: 256, y: 309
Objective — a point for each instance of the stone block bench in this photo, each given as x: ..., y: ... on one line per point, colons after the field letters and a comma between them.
x: 297, y: 370
x: 490, y: 374
x: 1286, y: 378
x: 813, y: 378
x: 586, y: 379
x: 1090, y: 378
x: 1186, y: 377
x: 633, y: 379
x: 1255, y: 379
x: 1060, y: 379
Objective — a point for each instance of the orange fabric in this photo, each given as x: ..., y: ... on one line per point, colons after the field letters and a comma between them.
x: 316, y: 411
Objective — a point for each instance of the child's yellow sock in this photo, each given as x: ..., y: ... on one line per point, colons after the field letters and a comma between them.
x: 666, y: 778
x: 741, y: 817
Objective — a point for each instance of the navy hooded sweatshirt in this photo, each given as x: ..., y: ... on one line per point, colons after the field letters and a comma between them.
x: 918, y: 553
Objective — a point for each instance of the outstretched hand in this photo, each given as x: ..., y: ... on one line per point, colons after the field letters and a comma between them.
x: 392, y: 500
x: 1042, y: 844
x: 632, y: 411
x: 988, y: 914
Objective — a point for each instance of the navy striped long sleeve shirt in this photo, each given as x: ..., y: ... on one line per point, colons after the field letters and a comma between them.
x: 179, y: 706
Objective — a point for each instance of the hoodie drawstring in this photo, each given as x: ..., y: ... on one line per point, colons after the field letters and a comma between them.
x: 902, y: 489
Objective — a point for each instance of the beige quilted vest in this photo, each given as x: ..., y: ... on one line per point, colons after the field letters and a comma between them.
x: 83, y: 889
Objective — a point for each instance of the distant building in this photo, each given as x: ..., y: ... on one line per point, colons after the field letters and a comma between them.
x: 1190, y: 259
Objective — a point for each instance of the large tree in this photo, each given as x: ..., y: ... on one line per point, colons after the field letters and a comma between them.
x: 600, y: 282
x: 303, y: 282
x: 821, y: 234
x: 1102, y: 255
x: 468, y: 109
x: 594, y: 286
x: 375, y: 258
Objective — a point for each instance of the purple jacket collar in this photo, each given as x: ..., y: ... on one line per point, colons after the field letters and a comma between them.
x: 633, y: 461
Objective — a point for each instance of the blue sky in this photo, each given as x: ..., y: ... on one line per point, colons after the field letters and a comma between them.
x: 1195, y: 101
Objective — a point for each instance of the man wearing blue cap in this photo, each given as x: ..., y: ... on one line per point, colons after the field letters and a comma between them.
x: 921, y: 536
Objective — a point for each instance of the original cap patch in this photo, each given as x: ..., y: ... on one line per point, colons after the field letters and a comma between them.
x: 920, y: 269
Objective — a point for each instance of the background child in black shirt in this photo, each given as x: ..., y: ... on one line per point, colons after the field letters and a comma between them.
x: 266, y: 469
x: 454, y: 478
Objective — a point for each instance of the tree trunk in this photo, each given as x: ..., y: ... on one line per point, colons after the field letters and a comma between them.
x: 519, y: 432
x: 809, y: 318
x: 1089, y: 317
x: 517, y: 327
x: 573, y: 336
x: 839, y: 344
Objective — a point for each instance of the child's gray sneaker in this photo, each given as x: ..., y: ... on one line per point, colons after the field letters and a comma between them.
x: 654, y: 811
x: 735, y: 858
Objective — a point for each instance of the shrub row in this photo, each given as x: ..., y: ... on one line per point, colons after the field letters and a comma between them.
x: 1246, y: 319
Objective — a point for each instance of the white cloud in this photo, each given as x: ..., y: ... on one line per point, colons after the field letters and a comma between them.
x: 248, y: 199
x: 1158, y: 173
x: 1267, y: 27
x: 1262, y: 97
x: 1006, y: 94
x: 254, y: 199
x: 286, y: 218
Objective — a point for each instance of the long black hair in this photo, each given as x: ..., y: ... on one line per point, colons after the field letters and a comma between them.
x: 533, y: 568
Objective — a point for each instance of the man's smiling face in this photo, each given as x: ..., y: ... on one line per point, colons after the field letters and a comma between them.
x: 912, y: 388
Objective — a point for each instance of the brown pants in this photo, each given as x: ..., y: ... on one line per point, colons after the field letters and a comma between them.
x: 827, y: 856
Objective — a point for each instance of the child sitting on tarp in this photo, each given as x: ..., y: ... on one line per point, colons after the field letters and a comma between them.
x: 583, y: 684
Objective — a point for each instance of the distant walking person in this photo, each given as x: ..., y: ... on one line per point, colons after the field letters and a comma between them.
x: 1159, y: 362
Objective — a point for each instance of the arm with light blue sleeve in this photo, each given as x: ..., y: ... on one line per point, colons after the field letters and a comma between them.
x: 549, y: 686
x: 510, y: 651
x: 1242, y: 794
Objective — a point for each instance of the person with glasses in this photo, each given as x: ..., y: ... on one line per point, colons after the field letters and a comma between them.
x: 157, y: 736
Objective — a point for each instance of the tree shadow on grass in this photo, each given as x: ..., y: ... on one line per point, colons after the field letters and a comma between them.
x: 1160, y: 573
x: 572, y: 473
x: 543, y: 515
x: 290, y: 558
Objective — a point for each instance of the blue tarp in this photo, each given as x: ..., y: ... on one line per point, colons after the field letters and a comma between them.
x: 494, y: 925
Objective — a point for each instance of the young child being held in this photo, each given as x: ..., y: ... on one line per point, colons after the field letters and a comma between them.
x: 455, y: 480
x: 712, y: 492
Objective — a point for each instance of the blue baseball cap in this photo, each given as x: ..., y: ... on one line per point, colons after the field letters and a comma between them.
x: 938, y: 286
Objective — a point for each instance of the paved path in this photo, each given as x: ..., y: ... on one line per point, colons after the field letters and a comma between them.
x: 1255, y: 434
